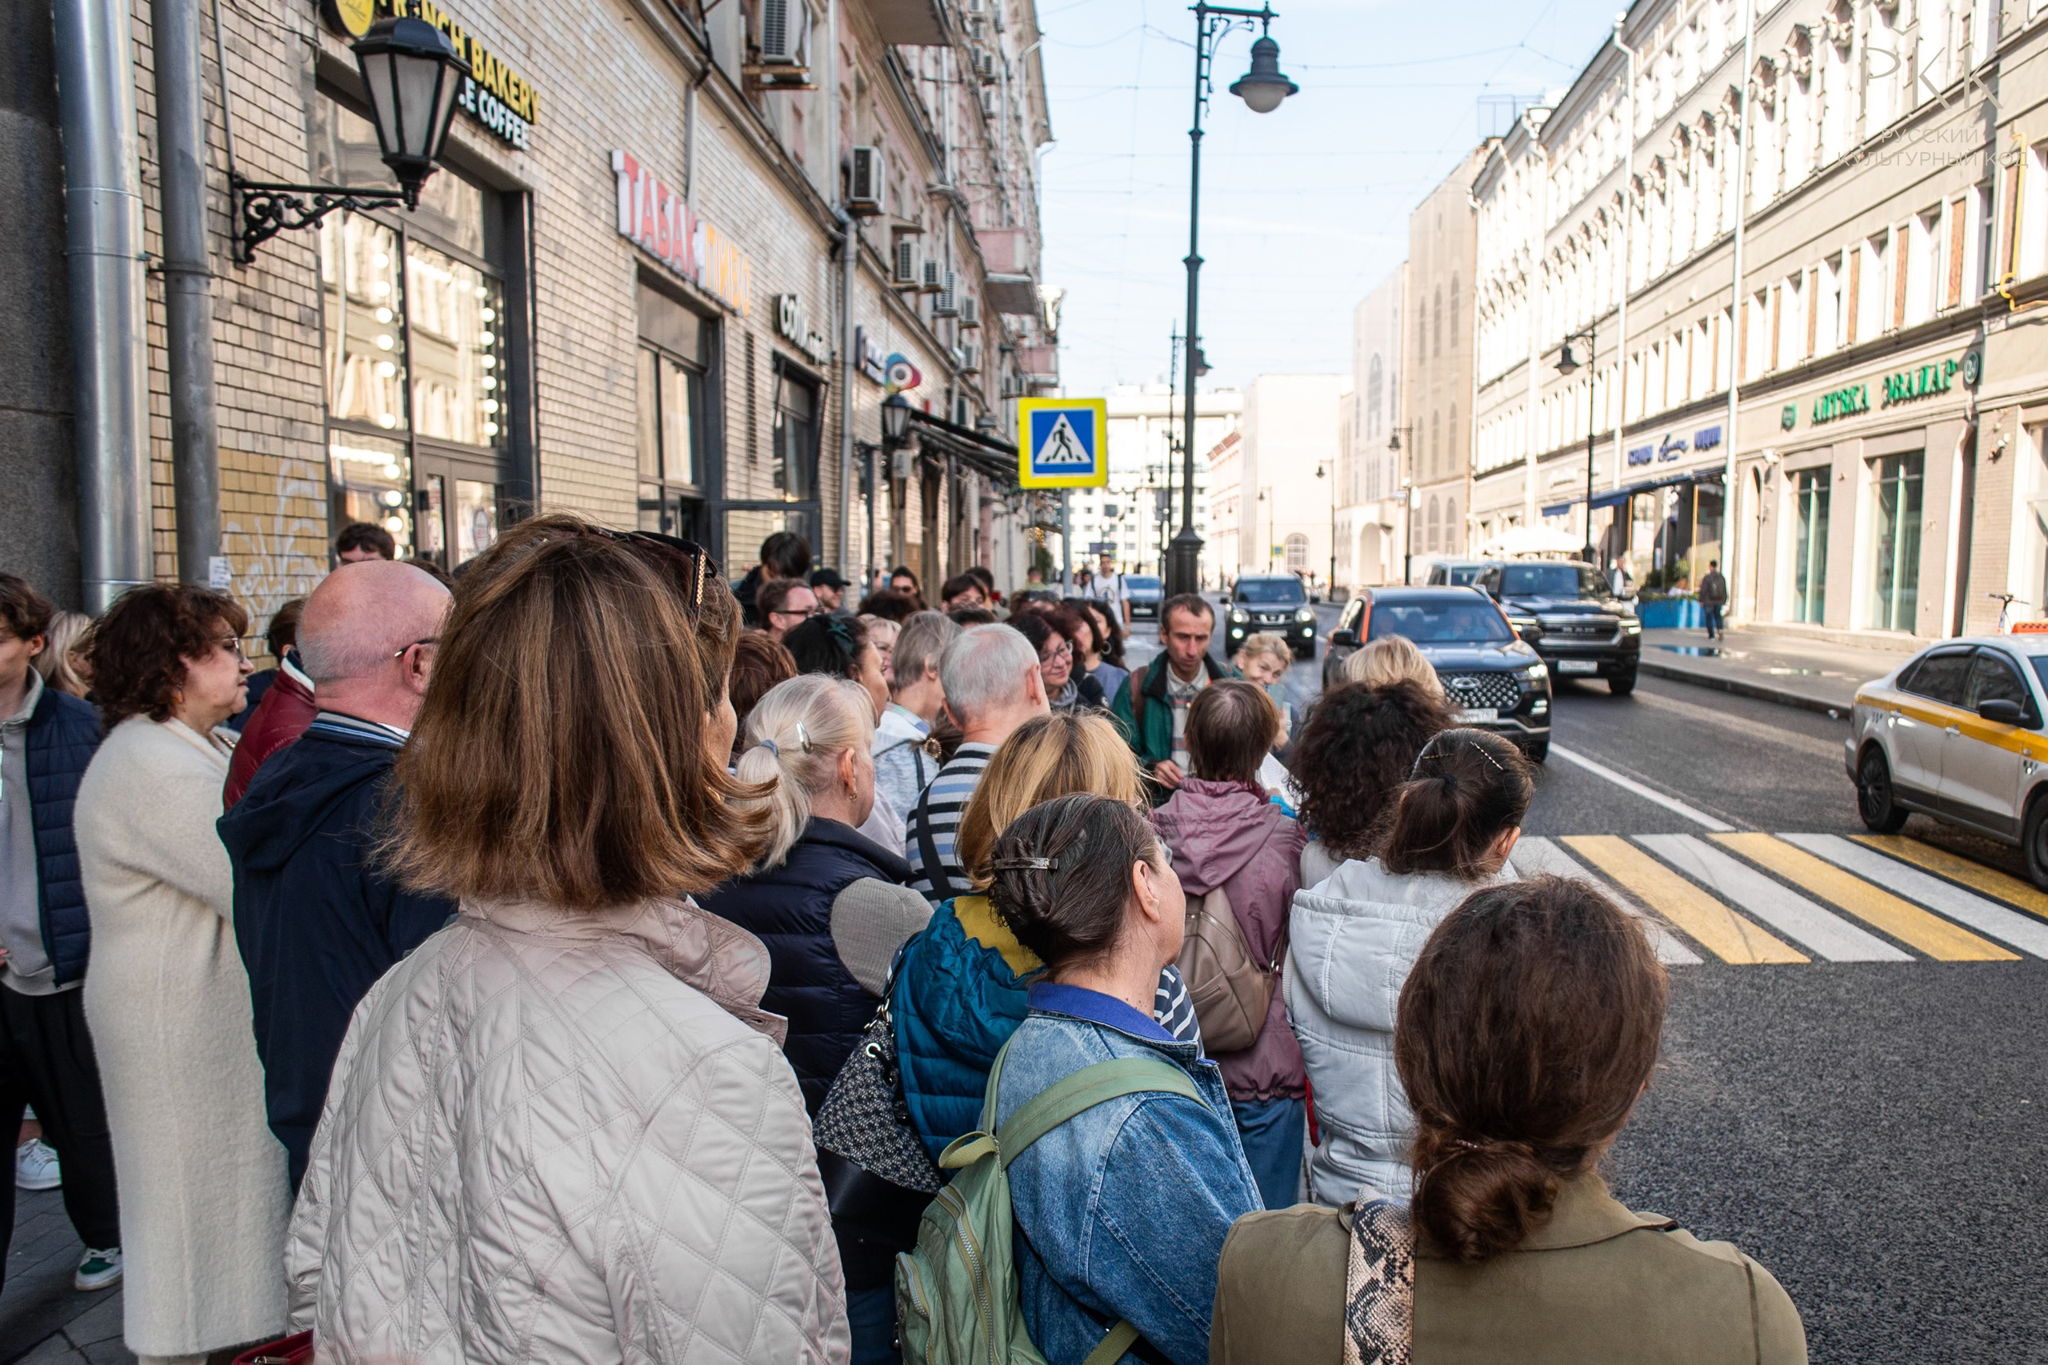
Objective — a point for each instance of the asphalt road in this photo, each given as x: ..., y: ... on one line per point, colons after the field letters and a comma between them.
x: 1874, y: 1133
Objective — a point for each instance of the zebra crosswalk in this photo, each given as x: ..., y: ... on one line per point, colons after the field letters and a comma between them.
x: 1798, y: 898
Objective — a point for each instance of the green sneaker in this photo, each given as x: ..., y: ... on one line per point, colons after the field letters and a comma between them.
x: 100, y: 1269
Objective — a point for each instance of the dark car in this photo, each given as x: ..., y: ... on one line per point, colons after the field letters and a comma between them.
x: 1143, y: 591
x: 1568, y: 611
x: 1459, y: 573
x: 1270, y: 602
x: 1494, y: 679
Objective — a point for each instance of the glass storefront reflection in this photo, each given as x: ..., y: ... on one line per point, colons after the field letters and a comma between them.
x: 365, y: 350
x: 371, y: 483
x: 455, y: 315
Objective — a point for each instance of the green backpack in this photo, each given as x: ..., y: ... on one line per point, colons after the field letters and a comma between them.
x: 956, y: 1292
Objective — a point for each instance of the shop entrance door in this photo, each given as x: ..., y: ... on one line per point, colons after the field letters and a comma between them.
x: 457, y: 508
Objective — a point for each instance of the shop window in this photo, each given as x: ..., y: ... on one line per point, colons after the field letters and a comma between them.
x: 673, y: 360
x: 1297, y: 553
x: 1811, y: 495
x: 413, y: 330
x: 1895, y: 541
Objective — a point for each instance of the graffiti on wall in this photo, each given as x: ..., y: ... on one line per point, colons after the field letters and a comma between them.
x: 279, y: 549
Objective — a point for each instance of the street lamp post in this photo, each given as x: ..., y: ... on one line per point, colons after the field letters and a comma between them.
x: 1330, y: 583
x: 1567, y: 364
x: 1262, y: 89
x: 1407, y: 505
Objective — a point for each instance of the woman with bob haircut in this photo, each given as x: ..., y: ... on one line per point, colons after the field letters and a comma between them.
x: 961, y: 985
x: 565, y: 1118
x: 203, y: 1193
x: 1353, y: 937
x: 1350, y: 753
x: 1121, y: 1212
x: 1393, y: 659
x: 1528, y: 1029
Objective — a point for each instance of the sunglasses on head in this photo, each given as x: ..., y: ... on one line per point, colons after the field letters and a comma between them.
x: 693, y: 564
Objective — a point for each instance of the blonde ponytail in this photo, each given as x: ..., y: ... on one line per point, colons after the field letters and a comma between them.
x: 794, y: 737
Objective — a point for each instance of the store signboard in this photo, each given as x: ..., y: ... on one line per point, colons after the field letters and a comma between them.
x: 658, y: 220
x: 496, y: 96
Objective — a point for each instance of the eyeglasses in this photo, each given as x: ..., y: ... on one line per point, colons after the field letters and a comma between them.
x: 1063, y: 650
x: 800, y: 615
x: 231, y: 644
x: 429, y: 640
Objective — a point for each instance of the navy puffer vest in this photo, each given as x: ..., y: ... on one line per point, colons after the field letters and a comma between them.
x: 62, y: 734
x: 789, y: 908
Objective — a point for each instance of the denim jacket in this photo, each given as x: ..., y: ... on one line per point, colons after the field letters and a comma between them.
x: 1121, y: 1212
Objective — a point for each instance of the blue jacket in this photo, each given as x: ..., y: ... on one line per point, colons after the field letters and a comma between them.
x: 789, y: 908
x: 960, y: 994
x: 1121, y: 1212
x: 316, y: 919
x: 62, y: 735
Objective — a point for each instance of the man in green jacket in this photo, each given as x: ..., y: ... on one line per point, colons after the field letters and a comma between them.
x: 1151, y: 705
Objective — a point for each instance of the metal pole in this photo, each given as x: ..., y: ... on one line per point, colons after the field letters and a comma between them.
x: 1330, y: 583
x: 188, y: 287
x: 1592, y: 359
x: 1066, y: 541
x: 109, y: 336
x: 1183, y: 558
x: 849, y: 365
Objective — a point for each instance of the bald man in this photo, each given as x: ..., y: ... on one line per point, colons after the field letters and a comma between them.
x: 316, y: 918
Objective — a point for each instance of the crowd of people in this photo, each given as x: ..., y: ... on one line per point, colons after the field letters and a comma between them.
x: 590, y: 959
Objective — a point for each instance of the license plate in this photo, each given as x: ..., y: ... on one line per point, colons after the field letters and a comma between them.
x: 1473, y: 715
x: 1577, y: 666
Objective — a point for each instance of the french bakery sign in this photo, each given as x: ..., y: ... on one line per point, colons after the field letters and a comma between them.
x: 656, y: 219
x: 493, y: 94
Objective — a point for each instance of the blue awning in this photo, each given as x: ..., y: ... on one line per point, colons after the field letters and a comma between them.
x: 1621, y: 495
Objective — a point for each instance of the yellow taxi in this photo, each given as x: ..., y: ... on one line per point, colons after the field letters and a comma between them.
x: 1956, y: 732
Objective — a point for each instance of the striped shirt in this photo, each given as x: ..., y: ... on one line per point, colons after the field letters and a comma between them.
x: 932, y: 832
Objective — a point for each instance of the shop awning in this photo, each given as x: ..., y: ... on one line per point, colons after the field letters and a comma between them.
x: 984, y: 454
x: 909, y: 23
x: 1619, y: 496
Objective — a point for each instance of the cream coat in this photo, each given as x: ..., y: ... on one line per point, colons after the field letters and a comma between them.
x: 564, y: 1137
x: 203, y: 1189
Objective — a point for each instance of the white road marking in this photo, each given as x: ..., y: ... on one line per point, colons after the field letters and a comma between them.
x: 1629, y: 784
x: 1745, y: 889
x: 2008, y: 926
x: 1707, y: 715
x: 1537, y: 854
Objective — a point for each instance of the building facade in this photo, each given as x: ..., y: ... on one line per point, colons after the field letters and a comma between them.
x: 1437, y: 371
x: 1273, y: 493
x: 1138, y: 511
x: 1371, y: 523
x: 1871, y: 386
x: 674, y: 260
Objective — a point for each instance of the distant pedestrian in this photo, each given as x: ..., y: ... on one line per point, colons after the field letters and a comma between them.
x: 992, y: 685
x: 360, y: 540
x: 830, y: 589
x: 963, y: 590
x: 890, y: 606
x: 1107, y: 587
x: 1122, y: 1211
x: 784, y: 604
x: 62, y: 663
x: 266, y: 729
x: 1225, y: 837
x: 203, y: 1188
x: 317, y: 919
x: 902, y: 579
x: 1713, y: 598
x: 1152, y: 705
x: 1353, y: 750
x: 785, y: 555
x: 1527, y: 1031
x: 624, y: 1170
x: 905, y: 762
x: 1109, y: 644
x: 280, y: 637
x: 47, y: 739
x: 1051, y: 632
x: 1353, y: 937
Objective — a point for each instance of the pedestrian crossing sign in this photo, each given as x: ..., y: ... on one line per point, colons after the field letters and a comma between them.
x: 1062, y: 443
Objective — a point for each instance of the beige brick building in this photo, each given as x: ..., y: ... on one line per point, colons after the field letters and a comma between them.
x: 1888, y: 434
x: 628, y: 293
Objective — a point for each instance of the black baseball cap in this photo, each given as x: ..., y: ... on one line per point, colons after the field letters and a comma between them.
x: 828, y: 578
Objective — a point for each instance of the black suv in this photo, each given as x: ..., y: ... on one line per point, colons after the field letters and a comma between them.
x: 1568, y: 611
x: 1270, y: 602
x: 1493, y: 680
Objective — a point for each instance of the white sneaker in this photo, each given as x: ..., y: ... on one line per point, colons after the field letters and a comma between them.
x: 35, y: 1166
x: 98, y: 1269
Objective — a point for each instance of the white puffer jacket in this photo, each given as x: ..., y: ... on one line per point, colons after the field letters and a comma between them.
x: 566, y: 1137
x: 1351, y: 942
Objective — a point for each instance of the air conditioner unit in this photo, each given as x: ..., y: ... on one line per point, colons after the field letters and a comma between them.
x: 934, y: 278
x: 974, y: 9
x: 948, y: 304
x: 985, y: 67
x: 970, y: 311
x: 903, y: 265
x: 990, y: 102
x: 970, y: 358
x: 783, y: 32
x: 866, y: 185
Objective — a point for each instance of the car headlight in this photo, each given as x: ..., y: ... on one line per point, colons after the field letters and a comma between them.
x: 1535, y: 671
x: 1521, y: 623
x: 1632, y: 627
x: 1304, y: 614
x: 1238, y: 615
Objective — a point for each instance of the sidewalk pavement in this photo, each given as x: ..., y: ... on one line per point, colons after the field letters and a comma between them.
x: 1792, y: 670
x: 43, y: 1320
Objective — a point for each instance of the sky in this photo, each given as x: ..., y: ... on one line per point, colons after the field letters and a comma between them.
x: 1304, y: 210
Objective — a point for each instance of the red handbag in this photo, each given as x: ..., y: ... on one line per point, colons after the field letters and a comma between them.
x: 296, y: 1349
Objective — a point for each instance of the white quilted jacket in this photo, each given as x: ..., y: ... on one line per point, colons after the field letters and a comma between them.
x: 563, y: 1137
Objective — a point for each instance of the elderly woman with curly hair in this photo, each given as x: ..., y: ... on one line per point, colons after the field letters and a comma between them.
x: 203, y: 1189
